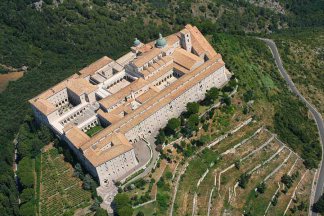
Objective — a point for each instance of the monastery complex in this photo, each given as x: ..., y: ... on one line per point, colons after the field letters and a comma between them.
x: 129, y: 99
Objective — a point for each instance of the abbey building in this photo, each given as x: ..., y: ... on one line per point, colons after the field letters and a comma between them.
x: 103, y: 109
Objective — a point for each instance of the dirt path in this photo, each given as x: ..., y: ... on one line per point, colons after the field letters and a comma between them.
x: 6, y: 78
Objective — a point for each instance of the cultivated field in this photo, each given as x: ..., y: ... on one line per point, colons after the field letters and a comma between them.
x: 60, y: 192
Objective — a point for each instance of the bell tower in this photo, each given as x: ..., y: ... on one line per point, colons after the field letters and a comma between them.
x: 186, y: 40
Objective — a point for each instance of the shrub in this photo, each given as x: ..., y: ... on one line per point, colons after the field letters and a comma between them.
x: 287, y: 180
x: 244, y: 179
x: 192, y: 108
x: 261, y: 188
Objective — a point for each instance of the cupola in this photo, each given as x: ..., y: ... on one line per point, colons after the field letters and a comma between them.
x: 137, y: 42
x: 161, y: 42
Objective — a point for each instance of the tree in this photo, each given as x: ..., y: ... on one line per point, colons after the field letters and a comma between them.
x: 193, y: 120
x: 27, y: 195
x: 205, y: 127
x: 172, y: 126
x: 140, y: 213
x: 191, y: 125
x: 96, y: 205
x: 192, y: 108
x: 249, y: 95
x: 45, y: 134
x: 227, y: 100
x: 78, y: 172
x: 203, y: 140
x: 87, y: 182
x: 27, y: 209
x: 160, y: 138
x: 261, y: 188
x: 202, y: 8
x: 244, y: 179
x: 287, y: 180
x: 211, y: 95
x: 25, y: 172
x: 318, y: 207
x: 274, y: 202
x: 123, y: 205
x: 101, y: 212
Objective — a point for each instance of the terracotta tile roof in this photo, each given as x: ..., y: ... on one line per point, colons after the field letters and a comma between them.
x: 172, y: 39
x: 120, y: 145
x: 146, y: 96
x: 146, y: 57
x: 186, y: 59
x: 110, y: 117
x: 44, y: 106
x: 77, y: 137
x: 115, y: 98
x: 74, y: 83
x: 146, y: 47
x: 180, y: 68
x: 92, y: 68
x: 81, y: 86
x: 199, y: 42
x: 160, y: 73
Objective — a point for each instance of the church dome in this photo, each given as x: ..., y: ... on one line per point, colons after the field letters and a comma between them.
x: 161, y: 42
x: 137, y: 42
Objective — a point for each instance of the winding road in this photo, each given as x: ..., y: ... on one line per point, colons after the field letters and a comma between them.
x: 317, y: 116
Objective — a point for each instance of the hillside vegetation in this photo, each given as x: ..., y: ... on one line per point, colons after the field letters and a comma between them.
x: 56, y: 40
x: 302, y: 52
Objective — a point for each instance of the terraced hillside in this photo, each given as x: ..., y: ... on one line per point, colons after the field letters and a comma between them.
x: 249, y: 172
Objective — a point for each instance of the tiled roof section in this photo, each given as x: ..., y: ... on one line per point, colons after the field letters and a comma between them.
x: 166, y: 100
x: 146, y: 96
x: 44, y: 106
x: 160, y: 73
x: 81, y: 86
x: 146, y: 47
x: 180, y: 68
x: 186, y: 59
x: 183, y: 84
x: 199, y: 42
x: 76, y: 84
x: 172, y: 39
x: 115, y: 98
x: 120, y: 145
x: 162, y: 62
x: 146, y: 57
x: 95, y: 66
x: 77, y: 137
x: 110, y: 117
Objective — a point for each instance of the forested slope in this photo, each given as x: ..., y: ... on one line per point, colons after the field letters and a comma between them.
x: 56, y: 40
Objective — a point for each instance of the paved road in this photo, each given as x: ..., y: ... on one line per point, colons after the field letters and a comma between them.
x: 317, y: 116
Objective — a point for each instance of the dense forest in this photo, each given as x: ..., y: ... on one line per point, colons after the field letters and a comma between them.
x: 55, y: 39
